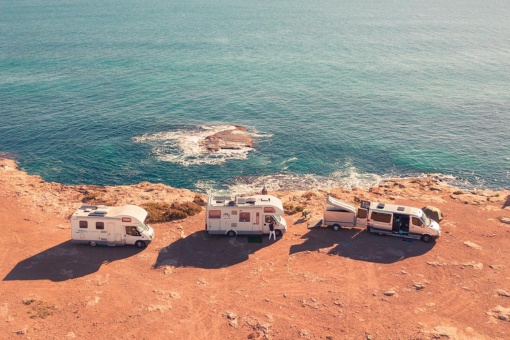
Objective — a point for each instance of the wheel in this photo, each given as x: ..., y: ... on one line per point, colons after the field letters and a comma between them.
x: 278, y: 232
x: 231, y: 233
x: 140, y: 244
x: 426, y: 238
x: 336, y: 227
x: 93, y: 244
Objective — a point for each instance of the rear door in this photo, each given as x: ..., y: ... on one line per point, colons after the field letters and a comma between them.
x: 361, y: 218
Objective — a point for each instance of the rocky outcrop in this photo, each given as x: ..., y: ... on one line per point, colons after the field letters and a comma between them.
x: 236, y: 139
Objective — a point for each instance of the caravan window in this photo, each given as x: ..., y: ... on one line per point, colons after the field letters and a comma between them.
x: 244, y: 217
x: 99, y: 225
x: 84, y: 224
x: 381, y: 217
x: 269, y: 210
x: 214, y: 213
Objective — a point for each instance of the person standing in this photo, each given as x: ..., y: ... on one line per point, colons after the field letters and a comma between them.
x: 271, y: 229
x: 264, y: 190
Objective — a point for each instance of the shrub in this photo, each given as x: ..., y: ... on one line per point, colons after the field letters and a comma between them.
x: 290, y: 209
x: 164, y: 212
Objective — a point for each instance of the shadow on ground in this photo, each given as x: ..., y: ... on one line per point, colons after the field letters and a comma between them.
x: 68, y: 261
x: 201, y: 250
x: 358, y: 244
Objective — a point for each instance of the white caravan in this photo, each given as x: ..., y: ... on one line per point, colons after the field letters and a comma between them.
x: 112, y: 226
x: 339, y: 214
x: 382, y: 219
x: 230, y: 215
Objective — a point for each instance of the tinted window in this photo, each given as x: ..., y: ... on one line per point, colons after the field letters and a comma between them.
x: 381, y: 217
x: 84, y: 224
x: 99, y: 225
x: 362, y: 213
x: 417, y: 222
x: 214, y: 213
x: 244, y: 217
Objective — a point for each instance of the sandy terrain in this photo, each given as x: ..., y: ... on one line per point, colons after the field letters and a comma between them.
x: 312, y: 283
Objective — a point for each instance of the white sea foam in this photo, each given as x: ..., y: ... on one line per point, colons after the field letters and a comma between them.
x: 183, y: 146
x: 278, y: 182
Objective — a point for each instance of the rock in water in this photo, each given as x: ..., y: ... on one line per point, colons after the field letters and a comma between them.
x: 236, y: 139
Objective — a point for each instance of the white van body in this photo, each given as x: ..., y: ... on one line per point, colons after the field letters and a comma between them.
x: 339, y: 214
x: 231, y: 215
x: 401, y: 221
x: 382, y: 219
x: 112, y: 226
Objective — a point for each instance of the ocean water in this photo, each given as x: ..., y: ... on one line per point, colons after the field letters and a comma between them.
x: 333, y: 92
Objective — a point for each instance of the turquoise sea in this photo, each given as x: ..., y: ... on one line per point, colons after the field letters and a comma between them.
x: 339, y: 92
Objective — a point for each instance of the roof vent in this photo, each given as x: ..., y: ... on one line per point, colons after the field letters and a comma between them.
x: 98, y: 213
x: 401, y: 208
x: 380, y: 206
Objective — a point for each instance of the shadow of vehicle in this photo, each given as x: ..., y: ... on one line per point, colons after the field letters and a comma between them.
x: 358, y: 244
x: 201, y: 250
x: 68, y: 261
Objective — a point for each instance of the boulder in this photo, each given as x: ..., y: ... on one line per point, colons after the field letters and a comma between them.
x: 236, y: 138
x: 433, y: 213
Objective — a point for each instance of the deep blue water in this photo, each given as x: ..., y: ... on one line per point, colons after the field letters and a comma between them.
x: 334, y: 92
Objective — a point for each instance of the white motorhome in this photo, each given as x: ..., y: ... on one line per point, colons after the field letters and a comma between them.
x: 382, y: 219
x: 339, y: 214
x: 112, y: 226
x: 230, y: 215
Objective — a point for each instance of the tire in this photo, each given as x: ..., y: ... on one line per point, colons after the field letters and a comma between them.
x: 278, y: 233
x: 231, y: 233
x: 426, y: 238
x: 92, y: 243
x: 140, y: 244
x: 336, y: 227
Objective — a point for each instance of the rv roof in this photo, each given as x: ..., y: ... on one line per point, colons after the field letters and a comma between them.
x: 393, y: 208
x: 339, y: 204
x: 133, y: 211
x: 250, y: 201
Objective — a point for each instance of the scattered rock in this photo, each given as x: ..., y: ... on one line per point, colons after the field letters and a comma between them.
x: 502, y: 292
x: 500, y: 313
x: 497, y: 266
x: 475, y: 265
x: 472, y: 245
x: 390, y: 292
x: 504, y: 220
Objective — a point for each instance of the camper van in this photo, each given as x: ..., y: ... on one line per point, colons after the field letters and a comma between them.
x: 231, y: 215
x: 112, y: 226
x: 382, y: 219
x: 402, y: 221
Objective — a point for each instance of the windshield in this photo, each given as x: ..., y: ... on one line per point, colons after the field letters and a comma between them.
x: 142, y: 228
x: 277, y: 218
x: 425, y: 220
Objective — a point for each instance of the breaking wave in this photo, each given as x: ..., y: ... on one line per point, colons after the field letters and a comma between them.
x: 348, y: 179
x: 183, y: 146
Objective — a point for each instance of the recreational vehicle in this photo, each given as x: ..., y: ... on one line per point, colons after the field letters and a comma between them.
x: 402, y: 221
x: 382, y: 219
x: 230, y: 215
x: 339, y: 214
x: 112, y: 226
